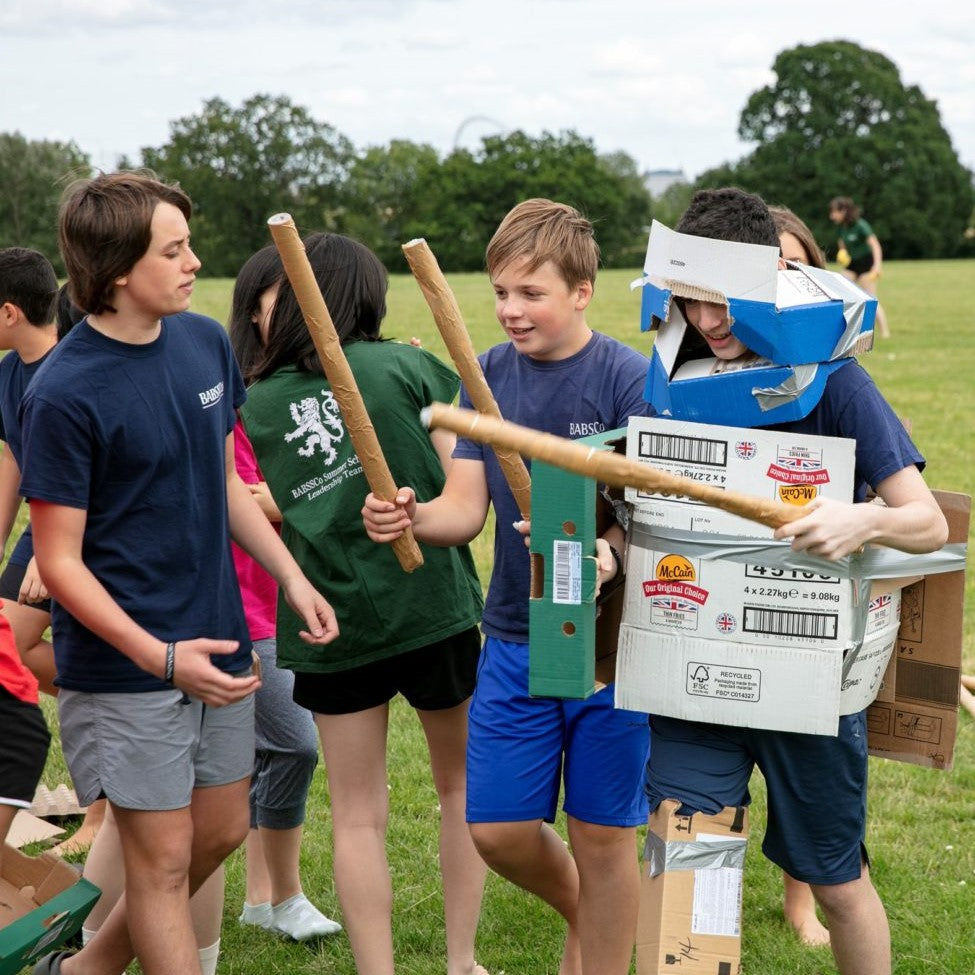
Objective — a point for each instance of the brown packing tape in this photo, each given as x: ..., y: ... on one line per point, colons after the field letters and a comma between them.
x: 604, y: 466
x: 450, y: 322
x: 339, y: 375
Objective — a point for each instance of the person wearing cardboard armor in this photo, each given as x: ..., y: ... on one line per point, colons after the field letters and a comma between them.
x: 554, y: 374
x: 303, y: 443
x: 706, y: 767
x: 858, y: 251
x: 128, y: 467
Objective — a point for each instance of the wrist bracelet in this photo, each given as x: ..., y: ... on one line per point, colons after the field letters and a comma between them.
x: 170, y: 662
x: 618, y: 559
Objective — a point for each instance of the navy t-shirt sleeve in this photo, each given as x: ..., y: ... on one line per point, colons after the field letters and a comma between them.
x: 57, y: 448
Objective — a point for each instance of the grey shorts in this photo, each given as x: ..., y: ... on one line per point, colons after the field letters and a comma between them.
x: 149, y: 751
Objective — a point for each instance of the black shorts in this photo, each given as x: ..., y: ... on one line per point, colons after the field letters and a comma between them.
x: 861, y: 265
x: 432, y: 678
x: 23, y: 749
x: 10, y: 580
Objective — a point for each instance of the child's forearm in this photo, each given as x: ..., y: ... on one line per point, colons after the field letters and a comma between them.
x: 916, y: 527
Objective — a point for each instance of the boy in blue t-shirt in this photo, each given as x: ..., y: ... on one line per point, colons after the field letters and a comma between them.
x: 816, y: 783
x: 554, y: 374
x: 28, y: 289
x: 129, y: 470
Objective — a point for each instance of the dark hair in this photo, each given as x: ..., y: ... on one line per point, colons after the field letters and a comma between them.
x: 67, y: 313
x: 105, y: 226
x: 846, y: 206
x: 27, y: 280
x: 729, y: 214
x: 540, y: 230
x: 786, y: 222
x: 260, y: 272
x: 353, y: 283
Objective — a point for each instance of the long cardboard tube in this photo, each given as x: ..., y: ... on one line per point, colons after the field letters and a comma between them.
x: 339, y: 375
x: 450, y: 322
x: 603, y: 465
x: 966, y: 699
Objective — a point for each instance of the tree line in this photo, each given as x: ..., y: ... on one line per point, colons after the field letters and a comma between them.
x: 837, y: 121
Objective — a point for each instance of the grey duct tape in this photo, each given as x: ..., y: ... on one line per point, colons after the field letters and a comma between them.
x: 769, y: 397
x: 854, y: 311
x: 693, y: 854
x: 874, y: 562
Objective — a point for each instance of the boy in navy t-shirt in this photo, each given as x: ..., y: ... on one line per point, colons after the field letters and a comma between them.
x: 816, y: 783
x: 129, y: 470
x: 554, y: 374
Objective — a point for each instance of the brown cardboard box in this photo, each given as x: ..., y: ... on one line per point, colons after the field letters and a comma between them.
x: 690, y: 894
x: 914, y: 718
x: 43, y: 903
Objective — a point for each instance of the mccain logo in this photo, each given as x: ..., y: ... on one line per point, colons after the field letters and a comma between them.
x: 675, y: 567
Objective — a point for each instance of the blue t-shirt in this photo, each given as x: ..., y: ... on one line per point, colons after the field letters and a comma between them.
x: 596, y: 389
x: 15, y: 375
x: 852, y: 406
x: 135, y: 435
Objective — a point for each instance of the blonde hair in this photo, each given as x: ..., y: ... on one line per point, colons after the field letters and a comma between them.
x: 540, y: 230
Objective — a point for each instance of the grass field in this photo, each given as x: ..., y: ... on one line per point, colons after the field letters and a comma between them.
x: 921, y: 831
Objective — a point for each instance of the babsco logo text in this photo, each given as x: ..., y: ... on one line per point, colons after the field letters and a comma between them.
x: 798, y: 494
x: 585, y: 429
x: 212, y: 395
x: 675, y: 567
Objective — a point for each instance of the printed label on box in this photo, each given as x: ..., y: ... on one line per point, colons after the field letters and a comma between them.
x: 723, y: 682
x: 566, y: 573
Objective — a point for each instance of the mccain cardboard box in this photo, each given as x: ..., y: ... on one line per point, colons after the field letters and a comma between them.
x: 43, y: 903
x: 791, y: 468
x: 572, y: 640
x: 690, y: 895
x: 801, y: 323
x: 914, y: 717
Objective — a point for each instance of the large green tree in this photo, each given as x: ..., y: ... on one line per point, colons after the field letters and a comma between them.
x: 838, y: 121
x: 32, y: 177
x: 241, y: 165
x: 470, y: 193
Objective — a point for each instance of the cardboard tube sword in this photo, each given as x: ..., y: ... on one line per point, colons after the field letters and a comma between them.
x: 339, y: 375
x: 446, y: 313
x: 605, y: 466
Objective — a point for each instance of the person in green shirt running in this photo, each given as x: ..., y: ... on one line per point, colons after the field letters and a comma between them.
x: 857, y: 239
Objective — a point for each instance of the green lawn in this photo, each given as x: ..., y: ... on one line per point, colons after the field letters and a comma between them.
x: 921, y: 832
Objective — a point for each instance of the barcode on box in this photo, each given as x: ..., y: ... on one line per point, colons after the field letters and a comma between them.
x: 687, y: 450
x: 567, y: 572
x: 783, y: 622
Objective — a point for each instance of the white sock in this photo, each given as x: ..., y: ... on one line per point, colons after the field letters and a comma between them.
x: 208, y: 958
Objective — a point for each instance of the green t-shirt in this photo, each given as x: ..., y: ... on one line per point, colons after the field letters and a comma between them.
x: 855, y: 238
x: 315, y: 477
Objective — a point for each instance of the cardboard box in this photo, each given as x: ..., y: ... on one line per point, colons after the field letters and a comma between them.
x: 572, y: 647
x: 801, y: 323
x: 43, y: 902
x: 690, y: 895
x: 914, y: 718
x: 792, y: 468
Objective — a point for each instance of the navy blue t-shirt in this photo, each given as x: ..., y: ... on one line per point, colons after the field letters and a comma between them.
x: 596, y: 389
x: 15, y: 375
x: 852, y: 406
x: 135, y: 435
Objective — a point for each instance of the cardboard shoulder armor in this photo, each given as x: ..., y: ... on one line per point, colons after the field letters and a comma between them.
x: 800, y: 323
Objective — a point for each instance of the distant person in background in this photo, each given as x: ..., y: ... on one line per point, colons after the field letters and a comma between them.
x: 864, y: 255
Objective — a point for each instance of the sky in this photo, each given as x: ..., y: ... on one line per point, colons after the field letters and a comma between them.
x: 663, y: 82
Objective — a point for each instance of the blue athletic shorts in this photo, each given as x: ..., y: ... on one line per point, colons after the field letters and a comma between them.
x: 519, y: 748
x: 817, y: 787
